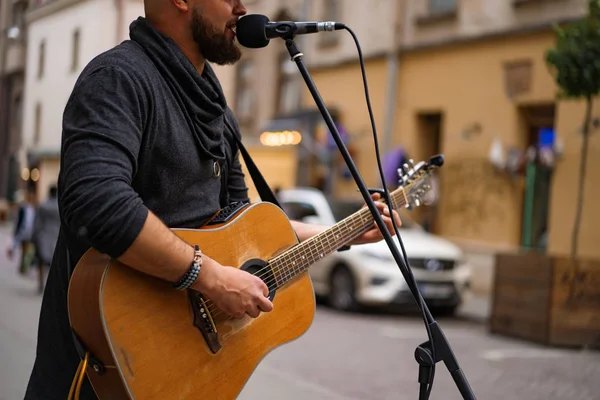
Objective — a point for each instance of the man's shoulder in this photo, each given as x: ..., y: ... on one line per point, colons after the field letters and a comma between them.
x: 128, y: 58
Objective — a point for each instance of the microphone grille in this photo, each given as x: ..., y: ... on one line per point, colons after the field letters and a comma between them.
x: 250, y: 31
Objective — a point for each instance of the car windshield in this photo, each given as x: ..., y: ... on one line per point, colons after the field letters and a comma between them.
x: 342, y: 209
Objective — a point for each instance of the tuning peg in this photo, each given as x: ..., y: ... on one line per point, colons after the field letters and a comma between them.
x: 437, y: 160
x: 411, y: 162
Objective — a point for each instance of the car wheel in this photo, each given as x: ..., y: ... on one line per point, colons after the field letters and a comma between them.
x: 342, y: 289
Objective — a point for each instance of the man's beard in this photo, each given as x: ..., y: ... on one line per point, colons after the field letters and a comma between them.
x: 214, y: 46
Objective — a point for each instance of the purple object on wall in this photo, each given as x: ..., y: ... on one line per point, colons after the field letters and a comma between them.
x: 391, y: 162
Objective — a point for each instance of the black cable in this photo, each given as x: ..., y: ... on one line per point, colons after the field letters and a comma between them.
x: 411, y: 282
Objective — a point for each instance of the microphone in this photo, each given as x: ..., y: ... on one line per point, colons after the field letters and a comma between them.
x: 255, y: 30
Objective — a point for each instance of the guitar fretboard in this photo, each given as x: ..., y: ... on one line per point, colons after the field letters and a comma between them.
x: 298, y: 259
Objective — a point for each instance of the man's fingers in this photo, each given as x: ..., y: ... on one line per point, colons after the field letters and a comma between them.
x: 264, y: 304
x: 265, y: 288
x: 254, y: 313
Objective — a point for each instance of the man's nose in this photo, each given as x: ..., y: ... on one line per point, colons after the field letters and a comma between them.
x: 239, y: 9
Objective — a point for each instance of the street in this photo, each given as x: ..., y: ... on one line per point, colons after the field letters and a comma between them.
x: 345, y: 356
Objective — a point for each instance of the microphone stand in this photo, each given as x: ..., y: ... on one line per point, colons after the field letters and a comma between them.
x: 423, y: 353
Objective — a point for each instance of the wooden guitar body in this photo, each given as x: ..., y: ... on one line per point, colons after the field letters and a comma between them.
x: 146, y: 334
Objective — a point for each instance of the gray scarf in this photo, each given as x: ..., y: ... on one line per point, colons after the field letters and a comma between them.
x: 200, y: 95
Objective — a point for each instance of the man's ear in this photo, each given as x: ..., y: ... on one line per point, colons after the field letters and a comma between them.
x: 182, y: 5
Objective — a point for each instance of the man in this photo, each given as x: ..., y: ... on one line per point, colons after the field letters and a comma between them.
x: 45, y: 234
x: 145, y: 133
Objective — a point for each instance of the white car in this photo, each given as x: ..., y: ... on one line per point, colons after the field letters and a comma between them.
x: 368, y: 274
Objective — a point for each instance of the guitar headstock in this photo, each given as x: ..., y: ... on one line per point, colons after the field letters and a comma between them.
x: 414, y: 179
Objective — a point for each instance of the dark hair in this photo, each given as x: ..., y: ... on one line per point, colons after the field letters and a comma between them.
x: 53, y: 191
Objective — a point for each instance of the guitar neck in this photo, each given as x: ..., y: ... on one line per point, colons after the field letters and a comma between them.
x: 298, y: 259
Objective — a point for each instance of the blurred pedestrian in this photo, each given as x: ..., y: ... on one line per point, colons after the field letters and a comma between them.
x: 23, y: 231
x: 45, y: 234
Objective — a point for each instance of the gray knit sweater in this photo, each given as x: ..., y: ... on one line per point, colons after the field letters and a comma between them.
x: 142, y: 131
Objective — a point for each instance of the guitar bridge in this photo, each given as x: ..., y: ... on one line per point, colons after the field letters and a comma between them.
x: 203, y: 320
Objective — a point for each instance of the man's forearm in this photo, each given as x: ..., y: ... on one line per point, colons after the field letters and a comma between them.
x: 157, y: 251
x: 306, y: 231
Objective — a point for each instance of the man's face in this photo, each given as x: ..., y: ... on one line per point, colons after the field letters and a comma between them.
x: 213, y: 23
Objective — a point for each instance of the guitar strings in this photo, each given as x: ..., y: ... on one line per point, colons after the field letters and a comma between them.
x: 271, y: 268
x: 215, y: 311
x: 275, y: 268
x: 272, y: 282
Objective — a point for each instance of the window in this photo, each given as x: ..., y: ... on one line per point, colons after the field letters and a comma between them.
x: 41, y: 58
x: 244, y: 97
x: 38, y: 124
x: 75, y: 51
x: 288, y: 85
x: 517, y: 77
x: 442, y: 6
x: 332, y: 10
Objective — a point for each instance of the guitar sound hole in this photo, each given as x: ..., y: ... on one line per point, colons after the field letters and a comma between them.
x: 259, y: 268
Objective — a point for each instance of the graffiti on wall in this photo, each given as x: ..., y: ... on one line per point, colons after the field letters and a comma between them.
x: 475, y: 195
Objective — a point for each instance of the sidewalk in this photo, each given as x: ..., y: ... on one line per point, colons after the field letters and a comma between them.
x: 19, y: 311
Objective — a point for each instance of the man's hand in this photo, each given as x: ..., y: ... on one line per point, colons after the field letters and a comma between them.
x: 374, y: 234
x: 234, y: 291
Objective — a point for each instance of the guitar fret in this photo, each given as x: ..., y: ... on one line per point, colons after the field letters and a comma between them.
x: 297, y: 260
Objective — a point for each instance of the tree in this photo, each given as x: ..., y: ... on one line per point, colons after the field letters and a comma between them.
x: 575, y: 59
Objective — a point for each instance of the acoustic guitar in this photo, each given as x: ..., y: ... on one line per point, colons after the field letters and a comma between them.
x: 145, y: 340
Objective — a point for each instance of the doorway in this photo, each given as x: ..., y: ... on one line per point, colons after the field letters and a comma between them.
x: 429, y: 143
x: 538, y: 139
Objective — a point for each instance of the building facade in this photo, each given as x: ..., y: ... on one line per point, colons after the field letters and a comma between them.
x: 463, y: 78
x: 12, y: 77
x: 63, y: 36
x: 467, y: 79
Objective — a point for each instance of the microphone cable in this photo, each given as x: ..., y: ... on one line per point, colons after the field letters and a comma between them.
x: 411, y: 279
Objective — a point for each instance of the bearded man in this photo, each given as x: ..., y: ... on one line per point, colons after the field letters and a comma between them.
x: 148, y: 145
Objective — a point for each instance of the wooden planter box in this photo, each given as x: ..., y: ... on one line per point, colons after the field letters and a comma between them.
x: 546, y: 300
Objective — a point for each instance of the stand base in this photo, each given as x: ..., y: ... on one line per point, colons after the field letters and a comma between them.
x: 443, y: 352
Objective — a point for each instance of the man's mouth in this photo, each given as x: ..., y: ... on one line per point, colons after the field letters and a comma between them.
x: 232, y: 27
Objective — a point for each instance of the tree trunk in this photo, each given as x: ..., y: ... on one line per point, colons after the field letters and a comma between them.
x: 582, y: 169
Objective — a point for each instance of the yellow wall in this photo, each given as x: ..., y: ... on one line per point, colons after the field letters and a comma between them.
x: 342, y: 88
x: 466, y: 83
x: 278, y: 166
x: 566, y: 183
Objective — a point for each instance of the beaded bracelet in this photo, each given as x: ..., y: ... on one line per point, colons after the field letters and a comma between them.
x: 192, y: 273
